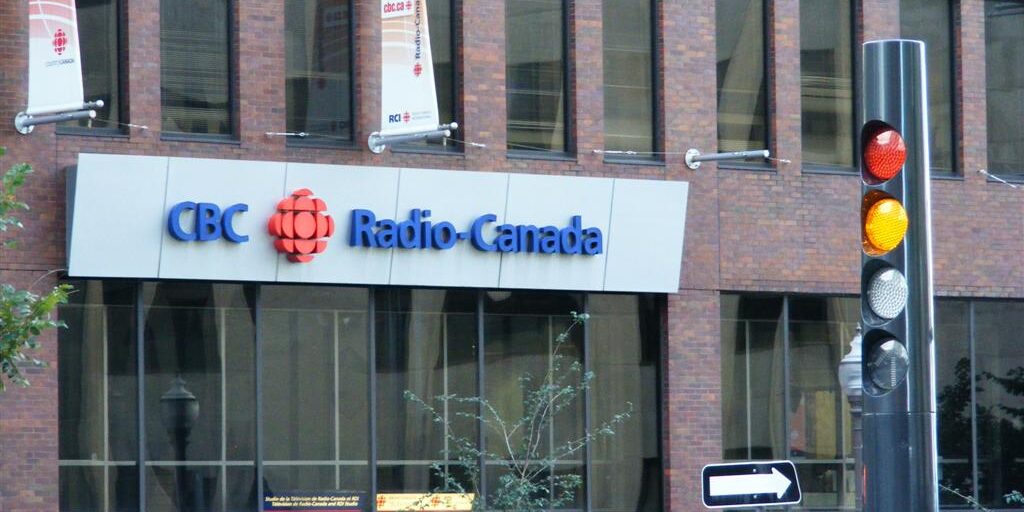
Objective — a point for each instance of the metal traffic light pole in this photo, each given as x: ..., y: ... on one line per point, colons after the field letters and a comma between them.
x: 900, y: 453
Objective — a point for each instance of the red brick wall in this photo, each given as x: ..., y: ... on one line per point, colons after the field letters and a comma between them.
x: 776, y: 229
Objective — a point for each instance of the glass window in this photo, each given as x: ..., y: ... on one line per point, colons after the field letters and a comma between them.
x: 625, y: 343
x: 753, y: 374
x: 427, y: 345
x: 820, y: 330
x: 521, y: 329
x: 742, y: 105
x: 953, y: 391
x: 826, y: 82
x: 1000, y: 394
x: 931, y: 22
x: 316, y: 403
x: 1004, y: 85
x: 195, y: 67
x: 98, y: 386
x: 318, y: 81
x: 98, y: 25
x: 628, y: 76
x: 200, y: 372
x: 200, y: 342
x: 535, y: 74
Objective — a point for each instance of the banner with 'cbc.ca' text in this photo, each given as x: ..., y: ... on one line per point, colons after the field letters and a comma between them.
x: 408, y: 99
x: 55, y: 66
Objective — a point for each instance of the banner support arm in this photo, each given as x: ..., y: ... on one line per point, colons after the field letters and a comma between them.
x: 378, y: 142
x: 24, y: 123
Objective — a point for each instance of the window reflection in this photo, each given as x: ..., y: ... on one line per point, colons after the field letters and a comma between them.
x: 752, y: 378
x: 196, y: 425
x: 1004, y: 85
x: 820, y: 331
x: 931, y: 22
x: 426, y: 344
x: 535, y: 74
x: 624, y: 345
x: 826, y: 82
x: 628, y: 76
x: 315, y: 396
x: 318, y: 81
x: 200, y: 350
x: 195, y: 67
x: 742, y: 109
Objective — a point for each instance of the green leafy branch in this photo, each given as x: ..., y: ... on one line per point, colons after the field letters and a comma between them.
x: 24, y: 315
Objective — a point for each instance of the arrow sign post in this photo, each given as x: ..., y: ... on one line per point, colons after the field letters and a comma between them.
x: 750, y: 484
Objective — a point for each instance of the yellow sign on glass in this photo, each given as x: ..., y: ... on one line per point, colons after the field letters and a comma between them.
x: 424, y: 502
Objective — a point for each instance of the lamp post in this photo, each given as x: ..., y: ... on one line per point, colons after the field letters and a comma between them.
x: 853, y: 387
x: 179, y: 409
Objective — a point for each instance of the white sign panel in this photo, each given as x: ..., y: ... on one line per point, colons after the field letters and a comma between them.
x: 408, y: 98
x: 55, y: 66
x: 231, y: 220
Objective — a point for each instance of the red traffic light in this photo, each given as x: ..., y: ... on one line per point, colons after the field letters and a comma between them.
x: 884, y: 151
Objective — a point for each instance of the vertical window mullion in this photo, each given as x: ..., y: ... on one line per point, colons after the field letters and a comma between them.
x: 975, y: 474
x: 481, y: 389
x: 746, y: 366
x: 444, y: 384
x: 587, y: 451
x: 337, y: 403
x: 140, y: 373
x: 786, y: 379
x: 371, y: 358
x: 222, y: 334
x: 258, y: 378
x: 106, y: 413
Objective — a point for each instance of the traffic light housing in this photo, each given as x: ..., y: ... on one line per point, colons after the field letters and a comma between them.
x: 900, y: 459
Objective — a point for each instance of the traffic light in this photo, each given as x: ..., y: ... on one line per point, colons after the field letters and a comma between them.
x: 900, y: 459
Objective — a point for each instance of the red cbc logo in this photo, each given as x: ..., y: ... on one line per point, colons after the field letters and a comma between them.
x: 301, y: 226
x: 417, y: 69
x: 406, y: 117
x: 60, y: 42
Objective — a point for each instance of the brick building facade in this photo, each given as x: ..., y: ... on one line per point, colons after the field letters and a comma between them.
x: 782, y: 228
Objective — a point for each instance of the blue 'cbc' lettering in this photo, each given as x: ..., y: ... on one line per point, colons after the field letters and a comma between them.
x: 210, y: 222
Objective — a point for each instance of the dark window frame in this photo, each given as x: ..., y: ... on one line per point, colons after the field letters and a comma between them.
x: 955, y: 105
x: 293, y: 141
x: 1015, y: 176
x: 767, y: 61
x: 568, y: 100
x: 657, y: 156
x: 856, y: 39
x: 233, y: 110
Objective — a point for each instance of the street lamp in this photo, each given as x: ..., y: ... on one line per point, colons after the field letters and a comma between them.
x: 853, y: 387
x: 180, y: 409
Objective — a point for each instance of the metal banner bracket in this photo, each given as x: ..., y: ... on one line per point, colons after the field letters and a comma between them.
x: 378, y: 142
x: 25, y: 123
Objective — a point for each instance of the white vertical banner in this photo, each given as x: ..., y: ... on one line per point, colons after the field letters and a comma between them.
x: 55, y: 66
x: 408, y: 99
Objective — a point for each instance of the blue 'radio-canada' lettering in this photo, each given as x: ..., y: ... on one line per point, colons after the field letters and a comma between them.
x: 417, y: 232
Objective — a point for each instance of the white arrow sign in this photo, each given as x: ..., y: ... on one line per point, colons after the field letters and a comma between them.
x: 768, y: 483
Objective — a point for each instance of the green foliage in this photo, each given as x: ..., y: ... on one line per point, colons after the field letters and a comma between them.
x: 528, y: 469
x: 23, y: 314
